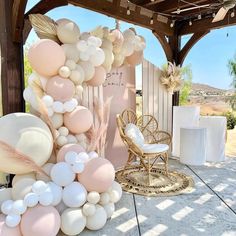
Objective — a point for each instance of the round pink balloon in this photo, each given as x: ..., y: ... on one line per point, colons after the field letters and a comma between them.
x: 40, y: 221
x: 46, y: 57
x: 78, y: 121
x: 67, y: 148
x: 98, y: 175
x: 135, y: 59
x: 60, y: 89
x: 8, y: 231
x: 99, y: 77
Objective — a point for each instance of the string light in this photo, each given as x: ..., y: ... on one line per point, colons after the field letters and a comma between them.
x: 172, y: 24
x: 178, y: 11
x: 213, y: 14
x: 232, y: 14
x: 199, y: 17
x: 128, y: 11
x: 151, y: 20
x: 190, y: 23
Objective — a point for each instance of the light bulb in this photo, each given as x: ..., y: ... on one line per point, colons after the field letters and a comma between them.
x: 213, y: 14
x: 199, y: 17
x: 172, y: 24
x: 232, y: 14
x: 151, y: 21
x: 178, y: 11
x: 128, y: 11
x: 190, y: 23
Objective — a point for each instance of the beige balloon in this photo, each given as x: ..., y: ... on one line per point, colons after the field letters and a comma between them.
x: 30, y: 136
x: 21, y: 188
x: 16, y: 178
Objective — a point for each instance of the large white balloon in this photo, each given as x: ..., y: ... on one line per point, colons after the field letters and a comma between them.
x: 115, y: 192
x: 74, y: 195
x: 61, y: 174
x: 109, y: 208
x: 56, y: 192
x: 82, y: 46
x: 127, y: 48
x: 129, y: 35
x: 24, y: 176
x: 98, y: 220
x: 98, y: 57
x: 31, y: 199
x: 72, y: 221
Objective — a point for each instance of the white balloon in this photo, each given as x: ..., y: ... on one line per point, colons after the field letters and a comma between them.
x: 16, y: 178
x: 91, y: 50
x: 92, y: 40
x: 71, y: 52
x: 6, y: 207
x: 92, y: 155
x: 69, y: 106
x: 98, y: 57
x: 72, y: 221
x: 58, y: 107
x: 70, y: 64
x: 98, y: 220
x: 56, y: 193
x: 64, y: 71
x: 89, y: 70
x: 74, y: 195
x: 70, y: 157
x: 127, y: 48
x: 57, y: 120
x: 39, y: 187
x: 48, y: 100
x: 47, y: 168
x: 79, y: 90
x: 78, y: 167
x: 89, y: 209
x: 5, y: 194
x: 129, y: 35
x: 71, y: 139
x: 93, y: 197
x: 77, y: 75
x: 63, y: 131
x: 46, y: 198
x: 84, y: 36
x: 82, y: 157
x: 31, y: 199
x: 115, y: 192
x: 109, y: 208
x: 104, y: 198
x: 62, y: 174
x: 84, y: 56
x: 61, y: 140
x: 12, y: 220
x: 82, y: 46
x: 32, y: 78
x: 99, y: 42
x: 18, y: 207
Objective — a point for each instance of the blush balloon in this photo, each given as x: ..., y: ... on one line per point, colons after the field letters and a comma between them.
x: 135, y: 59
x: 98, y: 175
x: 60, y: 89
x: 68, y: 148
x: 98, y: 78
x: 46, y: 57
x: 35, y: 219
x: 78, y: 121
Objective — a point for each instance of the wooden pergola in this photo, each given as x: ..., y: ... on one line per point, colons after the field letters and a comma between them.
x: 169, y: 20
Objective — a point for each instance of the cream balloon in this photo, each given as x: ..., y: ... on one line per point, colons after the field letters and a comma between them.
x: 30, y: 136
x: 16, y: 178
x: 109, y: 58
x: 21, y: 188
x: 46, y: 57
x: 57, y: 120
x: 88, y: 68
x: 72, y: 221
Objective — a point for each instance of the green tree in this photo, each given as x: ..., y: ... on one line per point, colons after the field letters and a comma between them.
x: 187, y: 84
x: 232, y: 72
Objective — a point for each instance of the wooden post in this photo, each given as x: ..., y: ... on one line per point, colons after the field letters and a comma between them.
x: 11, y: 70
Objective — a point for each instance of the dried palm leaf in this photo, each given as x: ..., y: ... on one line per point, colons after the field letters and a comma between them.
x: 44, y: 26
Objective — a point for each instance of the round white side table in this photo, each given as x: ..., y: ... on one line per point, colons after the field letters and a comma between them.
x: 193, y: 145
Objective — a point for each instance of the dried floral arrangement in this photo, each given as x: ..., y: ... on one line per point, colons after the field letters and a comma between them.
x: 171, y: 77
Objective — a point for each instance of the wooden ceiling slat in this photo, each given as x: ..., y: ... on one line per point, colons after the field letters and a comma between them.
x: 18, y: 10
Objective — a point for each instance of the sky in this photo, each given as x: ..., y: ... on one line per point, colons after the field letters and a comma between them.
x: 208, y: 58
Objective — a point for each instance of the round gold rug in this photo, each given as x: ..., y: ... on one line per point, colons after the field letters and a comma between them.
x: 135, y: 180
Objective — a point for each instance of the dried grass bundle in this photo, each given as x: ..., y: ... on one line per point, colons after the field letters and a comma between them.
x: 13, y: 153
x: 45, y: 27
x: 171, y: 77
x: 97, y: 134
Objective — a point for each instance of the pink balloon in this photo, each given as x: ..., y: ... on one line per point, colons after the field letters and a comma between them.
x: 8, y: 231
x: 67, y: 148
x: 60, y: 89
x: 118, y: 36
x: 40, y: 221
x: 78, y: 121
x: 135, y: 59
x: 46, y: 57
x: 98, y: 175
x: 99, y: 77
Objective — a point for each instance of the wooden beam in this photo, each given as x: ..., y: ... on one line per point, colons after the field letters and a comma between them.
x: 206, y: 25
x: 18, y: 10
x: 46, y: 5
x: 108, y: 9
x: 11, y: 69
x: 171, y: 5
x: 191, y: 42
x: 165, y: 45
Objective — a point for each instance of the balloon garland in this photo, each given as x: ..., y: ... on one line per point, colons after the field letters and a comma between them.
x: 78, y: 189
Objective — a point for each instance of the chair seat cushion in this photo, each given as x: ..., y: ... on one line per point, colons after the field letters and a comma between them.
x: 133, y: 132
x: 154, y: 148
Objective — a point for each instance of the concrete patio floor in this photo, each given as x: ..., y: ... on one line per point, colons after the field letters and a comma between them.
x: 209, y: 210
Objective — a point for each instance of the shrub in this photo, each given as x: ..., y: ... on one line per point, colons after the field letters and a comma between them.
x: 231, y: 119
